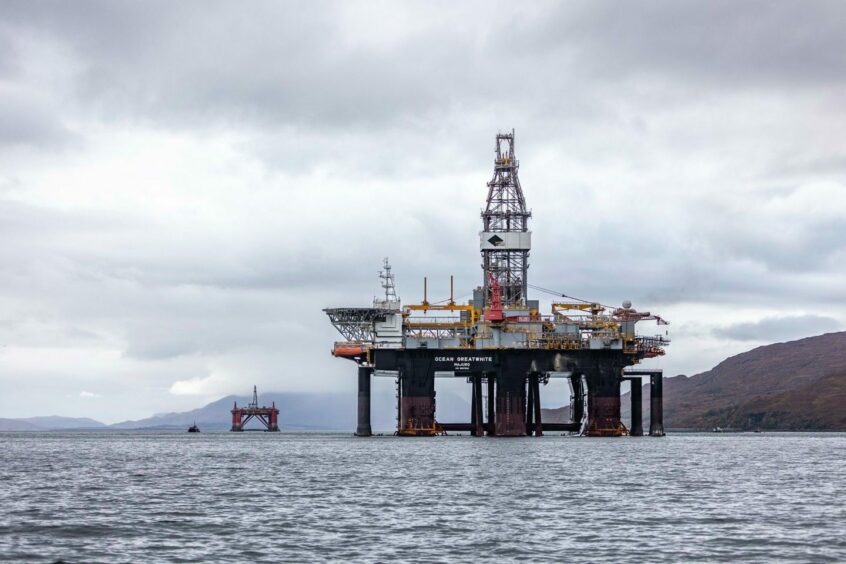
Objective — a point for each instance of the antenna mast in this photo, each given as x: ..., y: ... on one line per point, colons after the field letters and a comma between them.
x: 389, y: 285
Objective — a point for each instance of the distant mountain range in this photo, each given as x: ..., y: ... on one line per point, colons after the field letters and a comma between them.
x: 799, y: 385
x: 297, y: 411
x: 49, y: 423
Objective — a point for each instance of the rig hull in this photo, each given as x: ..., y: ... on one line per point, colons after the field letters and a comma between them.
x: 517, y: 395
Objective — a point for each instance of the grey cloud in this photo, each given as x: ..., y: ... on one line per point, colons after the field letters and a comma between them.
x: 825, y: 166
x: 771, y: 329
x: 751, y: 43
x: 654, y: 139
x: 26, y: 122
x: 299, y: 64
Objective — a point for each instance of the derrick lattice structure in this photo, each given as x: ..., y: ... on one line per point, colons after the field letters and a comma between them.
x: 505, y: 238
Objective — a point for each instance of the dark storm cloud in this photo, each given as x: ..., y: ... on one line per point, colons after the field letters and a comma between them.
x: 301, y: 63
x: 773, y: 329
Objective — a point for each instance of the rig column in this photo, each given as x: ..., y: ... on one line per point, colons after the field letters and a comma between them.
x: 363, y: 429
x: 656, y: 405
x: 274, y: 418
x: 510, y: 402
x: 530, y: 405
x: 417, y: 397
x: 478, y: 424
x: 474, y: 399
x: 236, y: 418
x: 578, y: 398
x: 491, y: 404
x: 604, y: 399
x: 636, y: 429
x: 537, y: 406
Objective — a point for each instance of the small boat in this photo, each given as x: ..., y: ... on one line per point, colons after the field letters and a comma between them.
x: 193, y: 428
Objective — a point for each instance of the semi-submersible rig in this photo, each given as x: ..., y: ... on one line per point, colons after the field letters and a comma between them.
x: 500, y: 342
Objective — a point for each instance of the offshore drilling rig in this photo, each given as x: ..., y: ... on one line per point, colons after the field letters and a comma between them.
x: 500, y: 342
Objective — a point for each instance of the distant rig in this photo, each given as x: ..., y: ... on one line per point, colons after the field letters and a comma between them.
x: 500, y: 343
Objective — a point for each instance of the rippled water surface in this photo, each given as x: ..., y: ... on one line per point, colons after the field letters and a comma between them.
x: 147, y: 497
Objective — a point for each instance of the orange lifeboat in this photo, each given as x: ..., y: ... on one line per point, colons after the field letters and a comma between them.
x: 348, y: 350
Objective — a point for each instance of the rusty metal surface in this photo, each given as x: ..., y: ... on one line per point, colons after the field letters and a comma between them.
x: 510, y: 417
x: 604, y: 417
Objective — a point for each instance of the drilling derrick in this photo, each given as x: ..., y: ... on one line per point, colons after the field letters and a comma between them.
x: 505, y: 240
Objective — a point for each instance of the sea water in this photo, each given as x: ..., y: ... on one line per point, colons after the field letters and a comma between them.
x: 279, y: 497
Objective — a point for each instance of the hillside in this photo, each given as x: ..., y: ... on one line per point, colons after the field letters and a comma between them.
x: 17, y: 425
x: 798, y: 385
x: 49, y: 423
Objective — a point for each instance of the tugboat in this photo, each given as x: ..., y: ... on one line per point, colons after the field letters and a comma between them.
x: 193, y: 428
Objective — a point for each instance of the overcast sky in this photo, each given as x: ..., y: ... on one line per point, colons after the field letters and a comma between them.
x: 184, y: 186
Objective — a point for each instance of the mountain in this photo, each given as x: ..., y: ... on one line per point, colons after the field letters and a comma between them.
x: 556, y: 415
x: 49, y: 423
x: 798, y: 385
x: 54, y: 422
x: 300, y: 411
x: 296, y: 411
x: 18, y: 425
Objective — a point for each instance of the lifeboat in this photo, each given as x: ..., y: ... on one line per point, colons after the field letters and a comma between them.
x: 348, y: 350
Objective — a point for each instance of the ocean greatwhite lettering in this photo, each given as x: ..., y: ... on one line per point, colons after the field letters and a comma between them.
x: 464, y: 359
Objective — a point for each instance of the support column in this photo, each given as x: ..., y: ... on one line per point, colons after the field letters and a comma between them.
x: 636, y: 430
x: 578, y: 398
x: 399, y: 400
x: 474, y: 401
x: 510, y: 403
x: 656, y: 405
x: 236, y: 419
x: 417, y: 398
x: 530, y: 405
x: 604, y: 398
x: 537, y: 406
x: 274, y: 418
x: 478, y: 427
x: 363, y: 428
x: 491, y: 404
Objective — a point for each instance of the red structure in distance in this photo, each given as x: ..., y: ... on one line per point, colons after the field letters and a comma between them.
x: 269, y: 416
